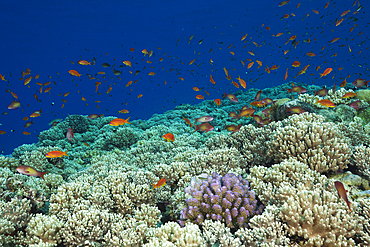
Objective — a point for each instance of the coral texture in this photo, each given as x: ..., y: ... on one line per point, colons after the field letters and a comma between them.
x: 228, y: 199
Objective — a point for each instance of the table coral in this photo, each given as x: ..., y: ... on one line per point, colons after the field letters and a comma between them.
x: 227, y: 199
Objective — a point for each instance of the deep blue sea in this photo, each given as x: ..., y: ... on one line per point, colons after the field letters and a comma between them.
x: 49, y: 38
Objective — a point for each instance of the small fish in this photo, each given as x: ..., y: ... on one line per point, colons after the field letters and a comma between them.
x: 119, y: 121
x: 56, y: 154
x: 246, y: 112
x: 14, y: 105
x: 258, y: 95
x: 70, y: 134
x: 233, y: 128
x: 74, y: 72
x: 199, y: 96
x: 26, y: 133
x: 295, y: 109
x: 297, y: 89
x: 30, y: 171
x: 123, y: 111
x: 204, y: 127
x: 355, y: 104
x: 268, y: 101
x: 242, y: 82
x: 326, y: 102
x: 281, y: 4
x: 349, y: 95
x: 326, y: 72
x: 230, y: 96
x: 357, y: 83
x: 161, y: 182
x: 204, y: 119
x: 169, y: 137
x: 94, y: 116
x: 322, y: 92
x: 342, y: 193
x: 217, y: 101
x: 296, y: 64
x: 83, y: 62
x: 187, y: 121
x: 127, y: 63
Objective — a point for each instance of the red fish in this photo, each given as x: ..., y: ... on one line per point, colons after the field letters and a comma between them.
x: 218, y: 102
x: 70, y: 134
x: 326, y: 72
x: 74, y: 72
x: 161, y: 182
x: 297, y: 89
x: 322, y: 92
x: 355, y: 104
x: 258, y: 95
x: 187, y: 121
x: 268, y: 101
x: 342, y: 193
x: 349, y: 95
x: 204, y: 127
x: 204, y: 119
x: 231, y: 97
x: 169, y: 137
x: 360, y: 83
x: 30, y: 171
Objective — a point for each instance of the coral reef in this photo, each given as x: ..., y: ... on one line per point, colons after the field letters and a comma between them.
x: 227, y: 199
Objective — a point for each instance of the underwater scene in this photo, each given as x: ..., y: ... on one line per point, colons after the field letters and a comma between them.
x: 185, y: 123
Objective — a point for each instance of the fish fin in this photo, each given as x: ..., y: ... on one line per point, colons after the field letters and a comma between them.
x: 41, y: 174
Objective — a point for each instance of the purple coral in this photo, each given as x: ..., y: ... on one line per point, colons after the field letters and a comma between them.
x: 228, y: 199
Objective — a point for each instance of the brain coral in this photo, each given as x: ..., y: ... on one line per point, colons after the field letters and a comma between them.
x: 228, y: 199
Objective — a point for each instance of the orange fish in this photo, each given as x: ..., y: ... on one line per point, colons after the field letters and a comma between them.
x: 247, y: 112
x: 297, y: 89
x: 326, y: 102
x: 233, y: 128
x: 242, y: 82
x: 27, y: 80
x: 311, y: 54
x: 127, y: 63
x: 74, y: 72
x: 218, y: 102
x: 199, y: 96
x: 187, y: 121
x: 2, y: 132
x: 119, y: 121
x: 322, y: 92
x: 349, y: 95
x: 139, y: 96
x: 339, y: 22
x: 26, y: 133
x: 342, y: 193
x: 191, y: 62
x: 56, y: 154
x: 250, y: 65
x: 296, y: 64
x: 243, y: 38
x: 211, y: 79
x: 295, y: 109
x: 169, y: 137
x: 84, y: 62
x: 30, y: 171
x: 151, y: 73
x: 326, y: 72
x: 286, y: 74
x: 123, y: 111
x: 196, y: 89
x: 333, y: 40
x: 161, y: 182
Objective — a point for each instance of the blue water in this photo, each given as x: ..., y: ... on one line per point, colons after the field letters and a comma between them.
x: 45, y: 36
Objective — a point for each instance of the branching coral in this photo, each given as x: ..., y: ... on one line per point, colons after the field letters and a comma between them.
x: 308, y: 204
x: 318, y: 144
x: 227, y: 199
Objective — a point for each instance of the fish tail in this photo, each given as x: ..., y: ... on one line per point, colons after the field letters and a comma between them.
x: 41, y: 174
x: 127, y: 120
x: 289, y: 90
x: 65, y: 153
x: 224, y: 95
